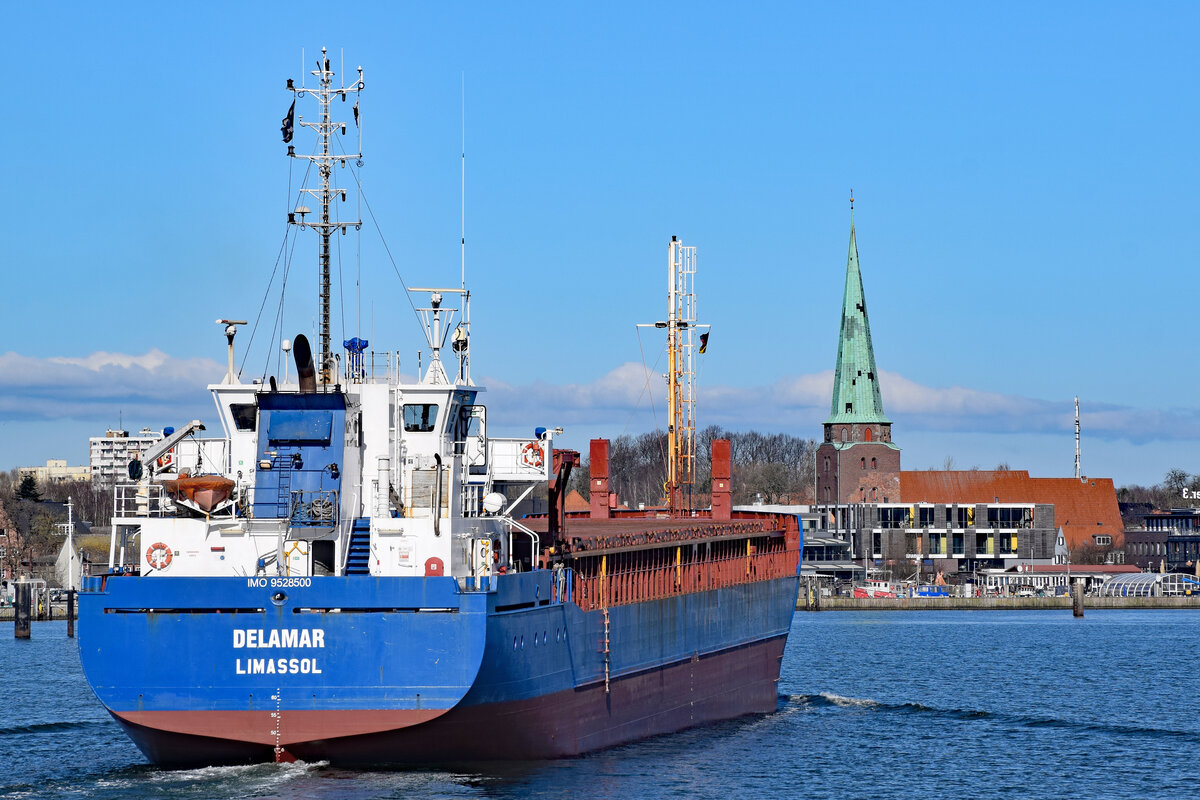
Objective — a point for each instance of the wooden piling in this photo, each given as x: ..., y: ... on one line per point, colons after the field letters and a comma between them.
x: 70, y: 613
x: 21, y: 621
x: 1077, y: 595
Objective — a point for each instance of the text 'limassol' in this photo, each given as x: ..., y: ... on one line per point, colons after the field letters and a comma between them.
x: 276, y: 638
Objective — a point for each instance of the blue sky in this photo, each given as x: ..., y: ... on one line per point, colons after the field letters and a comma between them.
x: 1024, y: 176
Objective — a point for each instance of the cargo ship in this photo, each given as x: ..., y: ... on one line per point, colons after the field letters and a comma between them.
x: 348, y: 572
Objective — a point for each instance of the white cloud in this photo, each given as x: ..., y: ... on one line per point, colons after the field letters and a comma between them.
x: 800, y: 403
x: 102, y: 385
x: 155, y: 387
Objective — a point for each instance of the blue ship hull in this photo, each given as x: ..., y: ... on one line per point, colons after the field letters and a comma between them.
x: 365, y: 670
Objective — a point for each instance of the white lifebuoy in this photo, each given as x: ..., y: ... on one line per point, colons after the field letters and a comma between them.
x: 531, y: 455
x: 158, y: 556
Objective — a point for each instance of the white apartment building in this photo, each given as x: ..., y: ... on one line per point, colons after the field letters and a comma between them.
x: 112, y: 452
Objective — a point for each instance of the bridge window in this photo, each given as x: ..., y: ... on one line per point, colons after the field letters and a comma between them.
x: 245, y: 415
x: 420, y: 417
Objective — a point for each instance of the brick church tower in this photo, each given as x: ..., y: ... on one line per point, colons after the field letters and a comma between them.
x: 857, y: 462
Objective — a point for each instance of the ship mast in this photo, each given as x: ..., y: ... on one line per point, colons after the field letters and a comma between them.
x: 681, y: 374
x: 325, y: 160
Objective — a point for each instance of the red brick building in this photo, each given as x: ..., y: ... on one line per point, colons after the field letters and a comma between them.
x: 1085, y: 508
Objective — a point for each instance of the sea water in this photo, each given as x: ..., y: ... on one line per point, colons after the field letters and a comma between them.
x: 929, y: 704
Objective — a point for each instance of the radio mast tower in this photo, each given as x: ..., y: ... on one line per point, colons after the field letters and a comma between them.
x: 1076, y: 437
x: 325, y: 160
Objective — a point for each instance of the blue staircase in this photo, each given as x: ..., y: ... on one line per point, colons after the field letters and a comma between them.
x: 358, y: 562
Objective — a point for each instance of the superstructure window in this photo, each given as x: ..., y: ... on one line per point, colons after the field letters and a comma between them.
x: 245, y: 416
x: 420, y: 417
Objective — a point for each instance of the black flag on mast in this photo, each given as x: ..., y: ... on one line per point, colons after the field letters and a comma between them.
x: 288, y: 123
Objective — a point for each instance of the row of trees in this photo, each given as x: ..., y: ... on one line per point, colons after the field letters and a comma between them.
x: 30, y: 514
x: 1177, y: 490
x: 777, y: 468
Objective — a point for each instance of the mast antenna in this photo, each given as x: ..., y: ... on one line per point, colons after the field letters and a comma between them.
x: 463, y: 189
x: 1077, y: 437
x: 325, y: 161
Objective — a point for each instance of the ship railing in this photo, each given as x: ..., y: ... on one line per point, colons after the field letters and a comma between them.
x: 374, y: 367
x: 513, y: 525
x: 472, y: 499
x: 519, y: 460
x: 123, y: 552
x: 626, y: 586
x: 141, y: 500
x: 317, y: 508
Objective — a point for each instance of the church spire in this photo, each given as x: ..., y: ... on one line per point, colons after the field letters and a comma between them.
x: 856, y: 397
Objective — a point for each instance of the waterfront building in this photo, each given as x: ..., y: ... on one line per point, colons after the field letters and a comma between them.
x: 1151, y: 584
x: 951, y: 538
x: 111, y: 453
x: 1053, y: 579
x: 1179, y: 531
x: 941, y: 538
x: 857, y: 461
x: 1175, y: 521
x: 56, y: 471
x: 1146, y: 549
x: 1085, y: 508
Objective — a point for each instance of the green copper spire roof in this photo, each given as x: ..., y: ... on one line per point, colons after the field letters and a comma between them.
x: 856, y: 381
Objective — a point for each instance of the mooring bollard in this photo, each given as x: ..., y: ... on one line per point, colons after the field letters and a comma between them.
x: 1077, y: 595
x: 70, y: 613
x: 21, y: 612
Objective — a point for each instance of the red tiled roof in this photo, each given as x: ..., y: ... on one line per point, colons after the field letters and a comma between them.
x: 1082, y: 507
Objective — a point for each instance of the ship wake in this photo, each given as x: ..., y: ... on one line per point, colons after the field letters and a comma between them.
x: 828, y: 700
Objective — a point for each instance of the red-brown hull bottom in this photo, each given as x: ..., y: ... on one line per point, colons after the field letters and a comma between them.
x: 705, y: 689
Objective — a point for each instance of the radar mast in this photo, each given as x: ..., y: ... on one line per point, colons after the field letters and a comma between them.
x: 324, y: 159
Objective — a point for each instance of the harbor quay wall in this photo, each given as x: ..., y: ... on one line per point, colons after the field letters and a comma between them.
x: 54, y: 612
x: 992, y: 603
